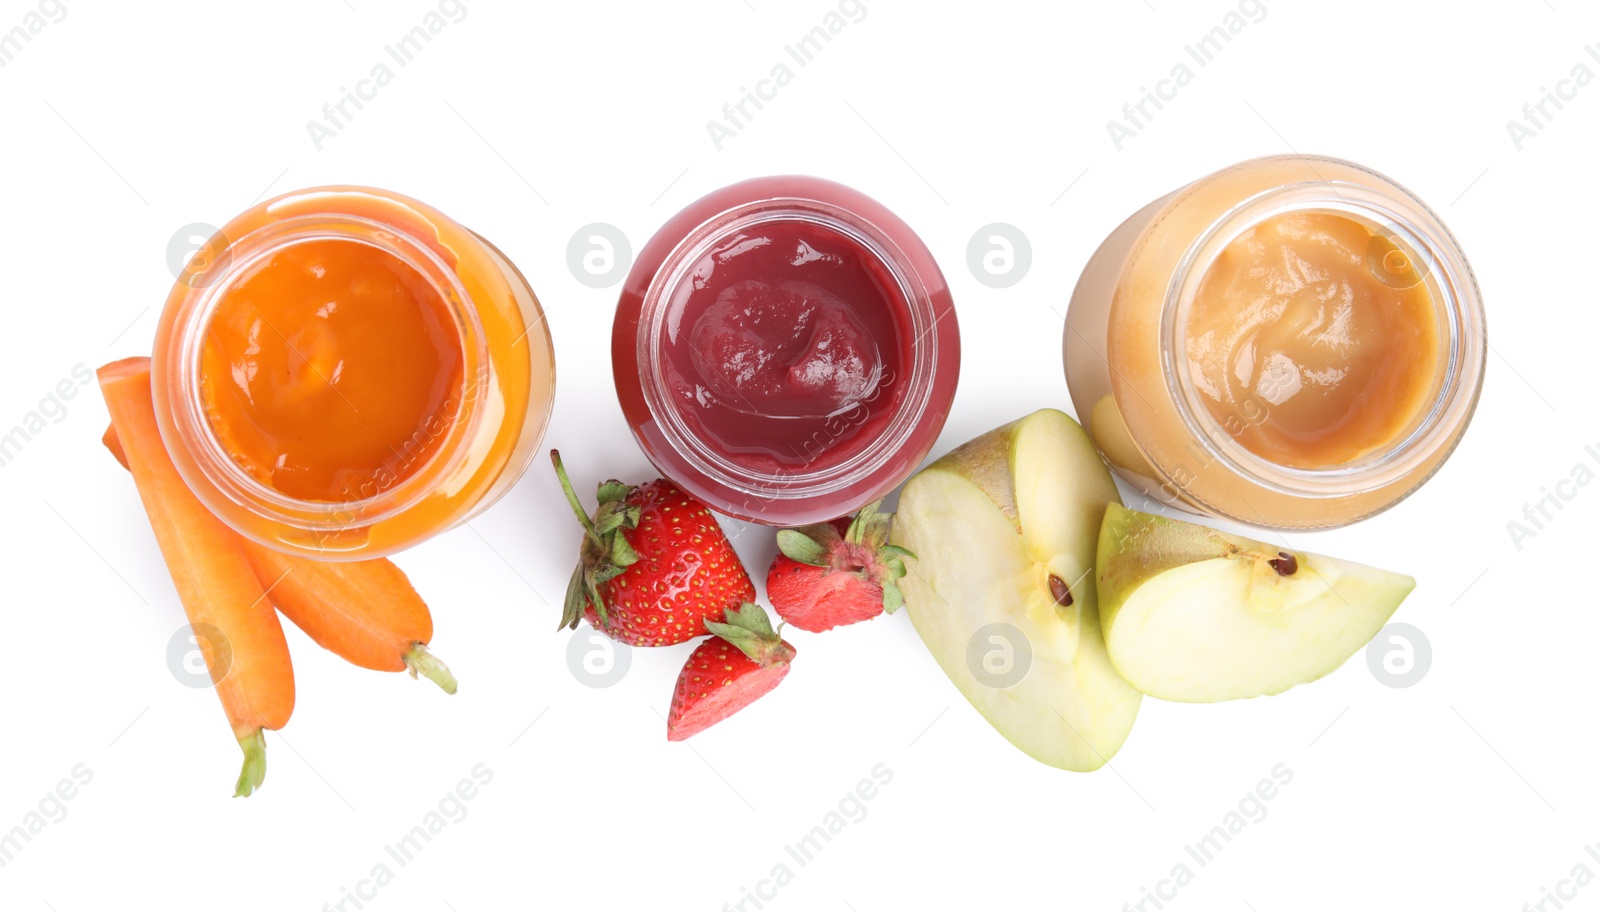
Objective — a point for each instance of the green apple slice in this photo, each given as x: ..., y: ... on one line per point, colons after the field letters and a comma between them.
x: 1003, y: 588
x: 1196, y: 615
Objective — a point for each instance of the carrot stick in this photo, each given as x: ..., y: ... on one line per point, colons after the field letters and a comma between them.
x: 214, y: 579
x: 363, y: 611
x: 366, y: 612
x: 109, y: 438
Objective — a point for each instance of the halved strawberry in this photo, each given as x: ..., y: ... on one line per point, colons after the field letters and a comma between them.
x: 830, y: 574
x: 654, y: 565
x: 744, y: 659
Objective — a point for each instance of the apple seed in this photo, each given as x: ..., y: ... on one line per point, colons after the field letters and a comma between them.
x: 1062, y: 594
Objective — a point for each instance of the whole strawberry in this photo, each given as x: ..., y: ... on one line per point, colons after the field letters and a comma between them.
x: 830, y: 574
x: 744, y: 659
x: 653, y: 567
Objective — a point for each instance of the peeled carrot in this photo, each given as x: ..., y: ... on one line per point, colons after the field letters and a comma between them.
x: 214, y: 579
x: 366, y: 612
x: 363, y: 611
x: 109, y: 438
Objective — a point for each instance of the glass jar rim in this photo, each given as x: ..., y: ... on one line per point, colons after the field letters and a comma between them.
x: 1422, y: 236
x: 923, y: 345
x: 235, y: 261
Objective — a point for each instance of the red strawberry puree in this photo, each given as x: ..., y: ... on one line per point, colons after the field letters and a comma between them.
x: 785, y: 348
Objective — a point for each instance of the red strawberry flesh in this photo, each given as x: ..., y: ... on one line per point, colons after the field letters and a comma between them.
x: 814, y: 599
x: 718, y: 681
x: 841, y: 574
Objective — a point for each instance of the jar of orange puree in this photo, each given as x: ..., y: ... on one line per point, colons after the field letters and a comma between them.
x: 1292, y: 342
x: 343, y: 372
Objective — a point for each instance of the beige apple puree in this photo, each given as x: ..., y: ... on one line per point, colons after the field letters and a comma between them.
x: 1338, y: 361
x: 1293, y: 342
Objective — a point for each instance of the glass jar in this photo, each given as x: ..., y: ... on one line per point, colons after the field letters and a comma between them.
x: 454, y: 461
x: 1134, y: 362
x: 785, y: 350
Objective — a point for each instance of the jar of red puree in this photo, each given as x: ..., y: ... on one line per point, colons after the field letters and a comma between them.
x: 785, y: 350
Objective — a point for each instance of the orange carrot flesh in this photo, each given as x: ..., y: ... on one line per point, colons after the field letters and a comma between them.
x: 214, y: 578
x: 109, y: 438
x: 366, y: 612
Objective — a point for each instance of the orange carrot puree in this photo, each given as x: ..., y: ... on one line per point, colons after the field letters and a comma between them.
x: 329, y: 369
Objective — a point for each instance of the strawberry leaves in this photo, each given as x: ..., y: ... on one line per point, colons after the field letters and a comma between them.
x: 870, y: 527
x: 812, y: 545
x: 750, y: 630
x: 893, y: 557
x: 605, y: 553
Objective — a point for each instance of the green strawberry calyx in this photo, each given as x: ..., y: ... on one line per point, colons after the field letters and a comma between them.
x: 862, y: 551
x: 605, y: 553
x: 750, y: 630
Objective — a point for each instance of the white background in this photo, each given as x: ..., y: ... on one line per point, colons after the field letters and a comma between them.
x: 124, y: 122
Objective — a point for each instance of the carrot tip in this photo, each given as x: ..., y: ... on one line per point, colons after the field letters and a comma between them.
x: 254, y: 746
x: 420, y: 661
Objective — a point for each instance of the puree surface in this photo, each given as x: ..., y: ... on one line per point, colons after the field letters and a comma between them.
x: 1313, y: 341
x: 331, y: 371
